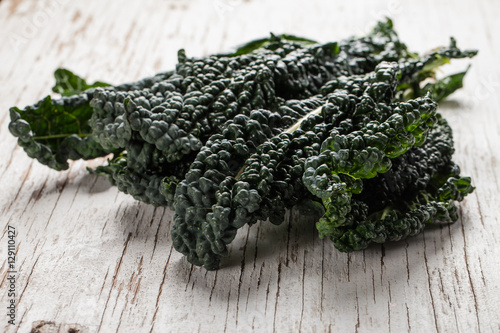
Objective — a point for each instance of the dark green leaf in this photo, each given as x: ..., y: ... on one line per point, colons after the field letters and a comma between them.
x: 53, y: 131
x: 68, y: 83
x: 257, y: 44
x: 446, y: 86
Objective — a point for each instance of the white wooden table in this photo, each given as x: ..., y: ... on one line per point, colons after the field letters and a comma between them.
x: 92, y: 259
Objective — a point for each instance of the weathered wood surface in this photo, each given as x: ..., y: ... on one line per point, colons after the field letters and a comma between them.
x: 93, y: 259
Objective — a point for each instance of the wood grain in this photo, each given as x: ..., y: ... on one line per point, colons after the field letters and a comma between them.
x: 92, y: 259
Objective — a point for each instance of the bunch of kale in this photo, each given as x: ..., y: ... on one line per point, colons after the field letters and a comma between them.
x: 346, y: 130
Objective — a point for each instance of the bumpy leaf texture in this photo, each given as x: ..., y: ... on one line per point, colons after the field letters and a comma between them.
x: 347, y: 130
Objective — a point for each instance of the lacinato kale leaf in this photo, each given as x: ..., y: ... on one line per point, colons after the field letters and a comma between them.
x: 68, y: 83
x: 347, y: 131
x: 54, y: 131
